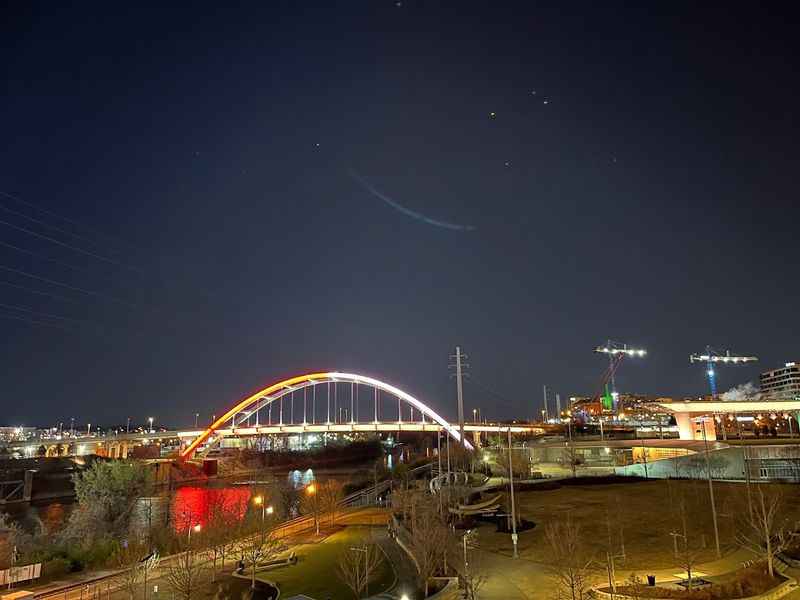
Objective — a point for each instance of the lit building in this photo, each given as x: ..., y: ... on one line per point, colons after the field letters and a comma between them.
x: 783, y: 383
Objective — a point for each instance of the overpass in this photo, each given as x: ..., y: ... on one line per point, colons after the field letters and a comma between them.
x: 690, y: 415
x: 121, y: 445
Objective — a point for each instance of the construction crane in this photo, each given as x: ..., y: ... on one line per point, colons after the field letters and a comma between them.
x: 616, y: 352
x: 710, y: 357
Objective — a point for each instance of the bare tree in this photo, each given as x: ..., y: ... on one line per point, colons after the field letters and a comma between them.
x: 312, y: 503
x: 186, y: 575
x: 135, y: 562
x: 568, y: 561
x: 258, y: 544
x: 634, y: 587
x: 429, y: 541
x: 358, y: 566
x: 475, y: 575
x: 764, y: 529
x: 331, y: 493
x: 221, y: 520
x: 688, y: 552
x: 10, y: 535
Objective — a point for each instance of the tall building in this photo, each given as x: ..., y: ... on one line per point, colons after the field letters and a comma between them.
x: 783, y: 383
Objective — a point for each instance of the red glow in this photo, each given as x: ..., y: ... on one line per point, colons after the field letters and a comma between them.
x: 191, y: 505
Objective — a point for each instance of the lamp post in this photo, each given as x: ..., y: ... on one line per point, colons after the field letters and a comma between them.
x: 196, y: 419
x: 265, y: 510
x: 196, y: 528
x: 711, y: 487
x: 311, y: 489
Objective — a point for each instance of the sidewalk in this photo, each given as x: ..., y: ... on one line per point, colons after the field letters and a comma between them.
x: 714, y: 568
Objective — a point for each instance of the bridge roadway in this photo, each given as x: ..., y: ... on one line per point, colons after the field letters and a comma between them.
x: 185, y: 436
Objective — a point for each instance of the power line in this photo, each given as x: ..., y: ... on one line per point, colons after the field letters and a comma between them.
x: 40, y: 314
x: 71, y: 247
x: 41, y: 293
x: 36, y: 322
x: 47, y: 225
x: 70, y: 287
x: 43, y: 257
x: 113, y: 239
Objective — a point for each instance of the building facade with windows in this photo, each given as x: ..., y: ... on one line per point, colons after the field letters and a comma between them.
x: 783, y: 383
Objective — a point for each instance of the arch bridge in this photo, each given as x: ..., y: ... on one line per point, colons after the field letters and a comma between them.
x: 333, y: 402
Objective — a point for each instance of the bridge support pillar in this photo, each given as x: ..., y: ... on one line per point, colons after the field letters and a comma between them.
x: 691, y: 429
x: 27, y: 488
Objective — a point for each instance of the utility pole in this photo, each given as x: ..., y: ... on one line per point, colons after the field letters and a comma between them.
x: 459, y: 367
x: 513, y: 507
x: 711, y: 488
x: 544, y: 400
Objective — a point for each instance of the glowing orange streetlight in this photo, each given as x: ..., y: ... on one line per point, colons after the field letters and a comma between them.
x: 196, y: 528
x: 311, y: 489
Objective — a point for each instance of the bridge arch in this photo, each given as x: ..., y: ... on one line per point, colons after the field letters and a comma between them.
x: 247, y: 406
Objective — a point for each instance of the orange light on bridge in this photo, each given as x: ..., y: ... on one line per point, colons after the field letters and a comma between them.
x: 313, y: 378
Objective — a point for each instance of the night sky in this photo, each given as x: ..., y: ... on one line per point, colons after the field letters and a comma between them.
x: 240, y: 194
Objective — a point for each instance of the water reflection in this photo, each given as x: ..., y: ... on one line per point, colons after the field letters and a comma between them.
x: 194, y: 505
x: 300, y: 479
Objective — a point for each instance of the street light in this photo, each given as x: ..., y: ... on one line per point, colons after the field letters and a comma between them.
x: 196, y: 528
x: 265, y: 510
x: 311, y: 489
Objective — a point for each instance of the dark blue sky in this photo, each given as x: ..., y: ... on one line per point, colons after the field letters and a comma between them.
x: 203, y: 151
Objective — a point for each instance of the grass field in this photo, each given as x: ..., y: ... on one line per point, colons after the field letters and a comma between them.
x: 640, y: 515
x: 315, y: 572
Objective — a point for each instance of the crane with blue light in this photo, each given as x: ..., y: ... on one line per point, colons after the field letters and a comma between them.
x: 711, y: 358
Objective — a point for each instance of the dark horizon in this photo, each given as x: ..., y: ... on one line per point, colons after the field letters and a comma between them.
x: 529, y: 182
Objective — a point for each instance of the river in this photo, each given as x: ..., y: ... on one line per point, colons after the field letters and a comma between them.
x: 182, y: 507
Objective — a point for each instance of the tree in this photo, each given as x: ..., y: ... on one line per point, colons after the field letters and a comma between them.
x: 186, y: 575
x: 568, y: 561
x: 287, y: 500
x: 475, y: 575
x: 429, y: 540
x: 221, y: 520
x: 136, y: 563
x: 331, y: 492
x: 520, y: 463
x: 688, y: 551
x: 107, y: 493
x: 10, y: 537
x: 764, y: 528
x: 258, y: 543
x: 312, y: 503
x: 358, y: 566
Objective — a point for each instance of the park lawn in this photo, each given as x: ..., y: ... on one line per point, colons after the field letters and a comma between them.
x: 645, y: 511
x: 315, y: 572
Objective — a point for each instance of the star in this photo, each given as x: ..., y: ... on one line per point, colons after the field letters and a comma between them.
x: 316, y: 145
x: 508, y: 163
x: 546, y: 102
x: 533, y: 92
x: 492, y: 115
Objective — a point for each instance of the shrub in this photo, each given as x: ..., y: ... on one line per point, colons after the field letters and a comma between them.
x: 55, y: 568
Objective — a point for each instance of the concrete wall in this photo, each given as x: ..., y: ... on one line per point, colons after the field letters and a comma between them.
x: 780, y: 462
